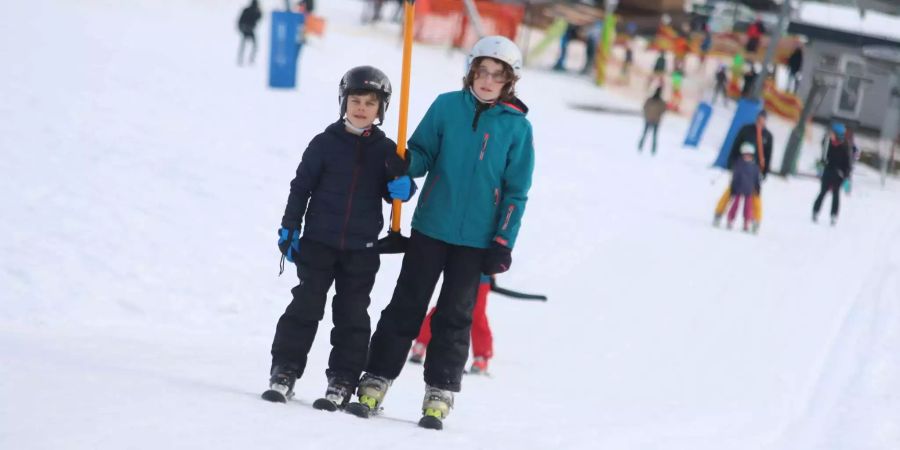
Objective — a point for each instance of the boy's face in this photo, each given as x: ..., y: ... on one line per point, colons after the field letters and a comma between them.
x: 362, y: 110
x: 489, y: 79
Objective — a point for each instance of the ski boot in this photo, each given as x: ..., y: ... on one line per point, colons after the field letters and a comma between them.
x: 479, y: 366
x: 815, y: 217
x: 417, y: 354
x: 371, y: 391
x: 435, y: 408
x: 281, y: 385
x: 754, y: 227
x: 729, y: 225
x: 746, y: 227
x: 336, y: 396
x: 833, y: 220
x: 717, y: 219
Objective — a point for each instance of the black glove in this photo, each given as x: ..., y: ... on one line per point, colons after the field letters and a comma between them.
x: 395, y: 165
x: 497, y: 259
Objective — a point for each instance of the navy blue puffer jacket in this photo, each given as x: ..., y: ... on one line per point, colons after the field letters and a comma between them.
x: 343, y: 178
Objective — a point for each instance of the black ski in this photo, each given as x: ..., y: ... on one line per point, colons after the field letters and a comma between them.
x: 358, y: 410
x: 323, y: 404
x: 274, y: 396
x: 431, y: 423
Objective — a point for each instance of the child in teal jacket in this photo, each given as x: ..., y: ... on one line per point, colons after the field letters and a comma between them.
x: 475, y: 148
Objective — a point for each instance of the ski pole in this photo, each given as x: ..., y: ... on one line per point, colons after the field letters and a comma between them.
x: 516, y: 295
x: 395, y: 242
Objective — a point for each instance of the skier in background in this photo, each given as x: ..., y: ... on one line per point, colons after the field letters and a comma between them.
x: 757, y: 134
x: 677, y: 82
x: 754, y: 34
x: 247, y: 26
x: 654, y: 108
x: 795, y: 65
x: 744, y: 181
x: 749, y: 79
x: 482, y: 338
x: 705, y: 45
x: 721, y: 85
x: 659, y: 71
x: 837, y: 169
x: 629, y: 60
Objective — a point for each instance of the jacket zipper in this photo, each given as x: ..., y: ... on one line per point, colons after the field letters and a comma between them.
x: 509, y: 212
x: 484, y: 146
x: 350, y: 196
x: 496, y: 196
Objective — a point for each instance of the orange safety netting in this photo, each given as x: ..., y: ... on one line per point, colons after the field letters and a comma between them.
x: 446, y: 21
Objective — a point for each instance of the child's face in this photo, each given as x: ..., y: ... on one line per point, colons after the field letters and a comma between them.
x: 489, y: 79
x: 362, y: 110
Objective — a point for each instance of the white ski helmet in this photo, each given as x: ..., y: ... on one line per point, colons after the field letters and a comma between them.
x: 747, y: 148
x: 497, y: 47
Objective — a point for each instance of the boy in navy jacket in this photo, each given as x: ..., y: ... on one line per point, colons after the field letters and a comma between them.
x: 345, y: 173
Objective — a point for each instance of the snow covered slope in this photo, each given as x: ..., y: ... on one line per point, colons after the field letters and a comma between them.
x: 144, y: 176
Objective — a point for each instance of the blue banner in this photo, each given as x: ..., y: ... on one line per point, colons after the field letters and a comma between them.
x: 287, y: 35
x: 747, y: 111
x: 698, y: 125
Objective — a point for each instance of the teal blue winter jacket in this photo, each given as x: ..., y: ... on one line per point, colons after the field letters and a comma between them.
x: 479, y: 163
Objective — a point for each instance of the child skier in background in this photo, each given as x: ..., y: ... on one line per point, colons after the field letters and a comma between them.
x: 482, y: 339
x: 339, y: 186
x: 745, y: 180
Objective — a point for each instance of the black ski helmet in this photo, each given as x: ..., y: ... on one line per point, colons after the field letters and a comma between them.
x: 362, y: 79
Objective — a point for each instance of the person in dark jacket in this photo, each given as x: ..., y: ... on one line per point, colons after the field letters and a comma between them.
x: 247, y: 26
x: 721, y: 85
x: 475, y: 145
x: 756, y: 134
x: 659, y: 71
x: 343, y: 176
x: 654, y: 108
x: 837, y: 169
x: 795, y: 65
x: 749, y: 79
x: 745, y: 179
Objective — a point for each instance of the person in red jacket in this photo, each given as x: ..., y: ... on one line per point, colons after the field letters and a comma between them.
x: 482, y: 339
x: 754, y: 33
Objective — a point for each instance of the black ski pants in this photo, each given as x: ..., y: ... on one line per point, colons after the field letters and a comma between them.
x: 247, y: 36
x: 424, y: 262
x: 651, y: 128
x: 831, y: 181
x: 353, y: 274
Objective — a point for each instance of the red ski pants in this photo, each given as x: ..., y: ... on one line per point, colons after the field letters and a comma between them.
x: 482, y: 339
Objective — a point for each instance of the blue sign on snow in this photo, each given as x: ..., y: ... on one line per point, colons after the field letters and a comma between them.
x: 698, y: 125
x: 745, y: 114
x: 287, y: 34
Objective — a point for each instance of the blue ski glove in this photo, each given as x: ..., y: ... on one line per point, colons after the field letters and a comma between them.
x: 289, y: 243
x: 401, y: 188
